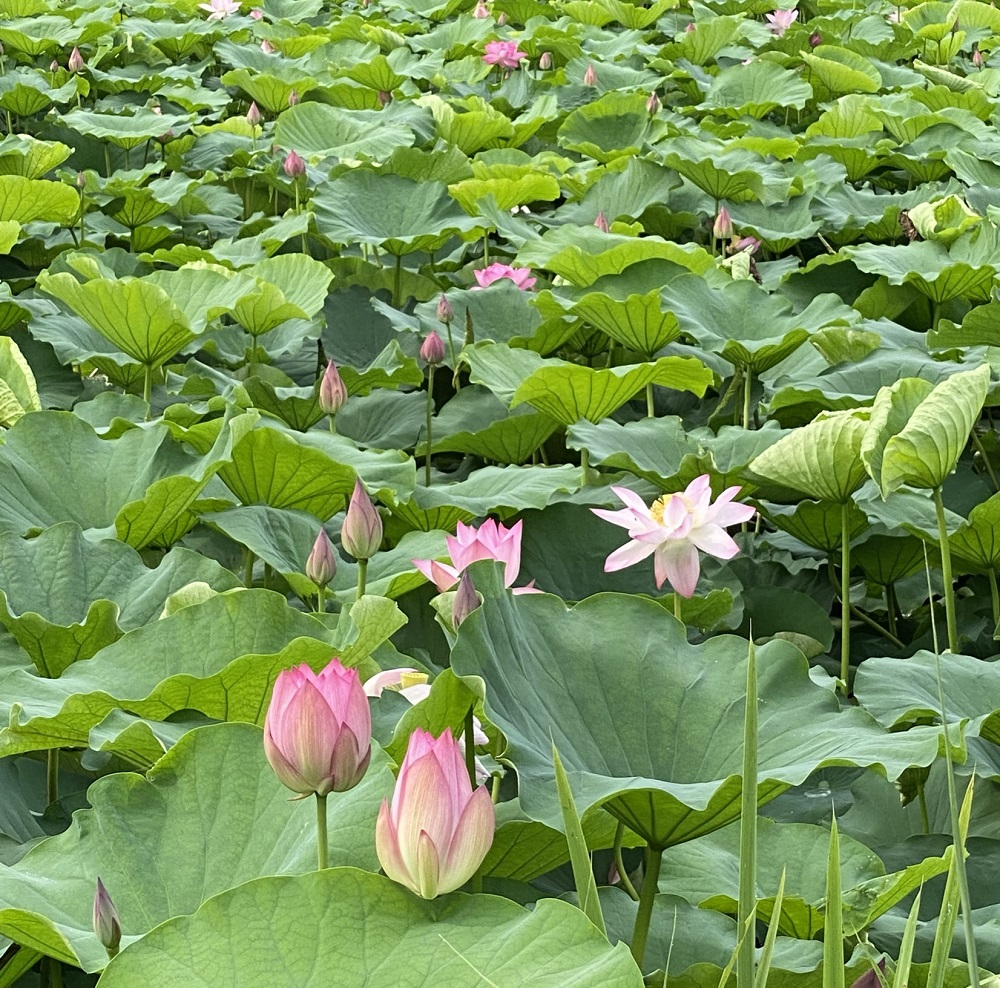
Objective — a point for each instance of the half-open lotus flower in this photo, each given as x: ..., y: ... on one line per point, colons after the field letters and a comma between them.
x: 496, y: 272
x: 503, y: 53
x: 781, y: 20
x: 218, y: 9
x: 436, y: 832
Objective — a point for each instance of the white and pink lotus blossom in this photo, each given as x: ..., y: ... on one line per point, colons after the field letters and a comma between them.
x: 673, y: 530
x: 218, y: 9
x: 781, y: 20
x: 498, y: 272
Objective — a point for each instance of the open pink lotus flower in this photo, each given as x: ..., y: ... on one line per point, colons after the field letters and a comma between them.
x: 436, y: 832
x: 218, y: 9
x: 781, y: 20
x: 674, y: 528
x: 503, y: 53
x: 489, y: 541
x: 496, y: 272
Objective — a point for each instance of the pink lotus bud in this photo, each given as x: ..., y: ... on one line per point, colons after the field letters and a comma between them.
x: 502, y: 19
x: 257, y: 14
x: 977, y: 59
x: 322, y: 562
x: 433, y: 348
x: 722, y: 229
x: 482, y: 11
x: 76, y: 62
x: 1, y: 51
x: 384, y: 97
x: 317, y: 731
x: 253, y: 115
x: 545, y: 61
x: 871, y: 979
x: 602, y: 222
x: 436, y: 832
x: 266, y: 47
x: 815, y: 39
x: 168, y: 136
x: 332, y: 390
x: 107, y: 925
x: 361, y: 534
x: 445, y: 312
x: 53, y: 66
x: 689, y: 28
x: 81, y: 180
x: 590, y: 76
x: 157, y: 109
x: 294, y: 165
x: 466, y: 600
x: 653, y: 104
x: 366, y: 3
x: 293, y: 97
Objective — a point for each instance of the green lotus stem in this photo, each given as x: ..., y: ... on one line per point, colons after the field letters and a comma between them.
x: 949, y: 590
x: 107, y: 160
x: 620, y: 864
x: 51, y: 973
x: 678, y: 605
x: 584, y: 464
x: 891, y: 607
x: 397, y: 282
x: 875, y: 626
x: 331, y: 421
x: 845, y: 595
x: 925, y: 820
x: 430, y: 420
x: 470, y: 746
x: 640, y: 933
x: 147, y: 389
x: 747, y: 391
x: 747, y: 904
x: 362, y: 577
x: 978, y: 443
x: 994, y: 597
x: 495, y: 788
x: 321, y: 600
x: 248, y: 569
x: 322, y: 834
x: 486, y: 249
x: 52, y: 775
x: 650, y: 409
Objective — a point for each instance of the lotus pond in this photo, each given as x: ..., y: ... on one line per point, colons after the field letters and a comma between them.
x: 591, y: 401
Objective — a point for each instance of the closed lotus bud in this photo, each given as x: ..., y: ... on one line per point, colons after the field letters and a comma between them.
x: 253, y: 115
x: 722, y: 229
x: 332, y: 390
x: 366, y: 3
x: 466, y: 599
x: 361, y: 533
x: 257, y: 14
x: 53, y: 66
x: 384, y: 97
x: 445, y: 312
x: 294, y: 165
x: 977, y: 59
x: 432, y: 349
x: 482, y: 11
x: 502, y: 19
x: 266, y: 47
x: 545, y: 61
x: 81, y: 181
x: 321, y: 566
x: 317, y: 731
x: 815, y: 39
x: 1, y: 51
x: 590, y: 76
x: 602, y: 222
x: 653, y: 104
x: 75, y: 62
x: 434, y: 835
x: 293, y: 97
x: 107, y: 925
x: 157, y: 109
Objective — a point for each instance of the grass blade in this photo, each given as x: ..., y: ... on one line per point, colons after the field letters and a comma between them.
x: 833, y: 931
x: 747, y: 909
x: 902, y: 977
x: 764, y: 967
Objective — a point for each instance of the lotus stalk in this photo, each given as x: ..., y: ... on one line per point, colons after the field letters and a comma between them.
x: 946, y: 573
x: 647, y: 896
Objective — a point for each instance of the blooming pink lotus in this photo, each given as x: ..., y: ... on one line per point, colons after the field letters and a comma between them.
x: 437, y: 830
x: 497, y: 272
x: 218, y: 9
x: 469, y: 544
x: 503, y: 53
x: 673, y: 529
x: 781, y: 20
x: 317, y: 731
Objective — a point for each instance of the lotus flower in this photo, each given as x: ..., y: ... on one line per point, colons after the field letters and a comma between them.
x: 436, y: 832
x: 602, y: 222
x: 107, y: 925
x: 503, y: 53
x: 218, y: 9
x: 466, y: 600
x: 653, y: 104
x: 257, y: 14
x: 496, y: 272
x: 253, y: 115
x: 317, y: 732
x: 482, y: 11
x: 266, y: 47
x: 445, y: 312
x: 75, y: 63
x: 294, y: 165
x: 545, y: 60
x: 590, y: 76
x: 322, y: 562
x: 781, y: 21
x: 361, y: 533
x: 432, y: 349
x: 722, y: 229
x: 673, y: 529
x: 489, y: 541
x: 332, y: 390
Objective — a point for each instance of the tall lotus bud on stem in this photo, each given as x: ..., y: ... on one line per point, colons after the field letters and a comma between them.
x: 590, y: 76
x: 361, y: 534
x: 432, y: 349
x: 76, y: 62
x: 722, y: 229
x: 466, y: 599
x: 815, y: 39
x: 545, y: 61
x: 266, y: 47
x: 977, y: 59
x: 445, y: 312
x: 602, y: 222
x: 332, y: 393
x: 54, y: 66
x: 253, y: 115
x: 321, y: 565
x: 384, y: 97
x: 107, y: 925
x: 293, y: 97
x: 653, y: 104
x: 317, y: 735
x: 502, y: 19
x: 482, y: 11
x: 434, y: 835
x: 294, y: 166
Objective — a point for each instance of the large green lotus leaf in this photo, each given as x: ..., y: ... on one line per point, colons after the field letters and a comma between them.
x: 902, y: 692
x: 128, y: 131
x: 637, y: 322
x: 553, y: 674
x: 27, y: 200
x: 404, y: 215
x: 884, y: 559
x: 271, y: 90
x: 735, y: 176
x: 294, y: 287
x: 779, y: 227
x: 611, y: 127
x: 651, y: 448
x: 384, y: 471
x: 706, y: 872
x: 918, y: 431
x: 821, y: 460
x: 457, y: 940
x: 836, y: 71
x: 64, y: 597
x: 254, y: 830
x: 321, y: 131
x: 978, y: 328
x: 756, y: 89
x: 18, y: 389
x: 506, y: 191
x: 582, y: 254
x: 819, y: 524
x: 471, y: 124
x: 977, y: 542
x: 138, y: 486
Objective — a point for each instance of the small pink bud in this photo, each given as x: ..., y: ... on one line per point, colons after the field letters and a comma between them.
x: 318, y: 728
x: 266, y: 47
x: 366, y: 3
x: 445, y: 312
x: 257, y: 14
x: 722, y: 229
x: 653, y: 104
x: 107, y: 925
x: 322, y: 562
x: 602, y: 222
x: 689, y: 28
x: 432, y: 349
x: 157, y: 109
x: 168, y: 136
x: 53, y: 66
x: 361, y: 534
x: 81, y: 180
x: 466, y: 600
x: 253, y: 115
x: 545, y: 61
x: 332, y: 390
x: 815, y: 39
x: 482, y: 11
x: 293, y: 97
x: 384, y: 97
x: 75, y: 62
x: 871, y: 979
x: 294, y: 165
x: 977, y: 59
x: 502, y: 19
x: 590, y: 76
